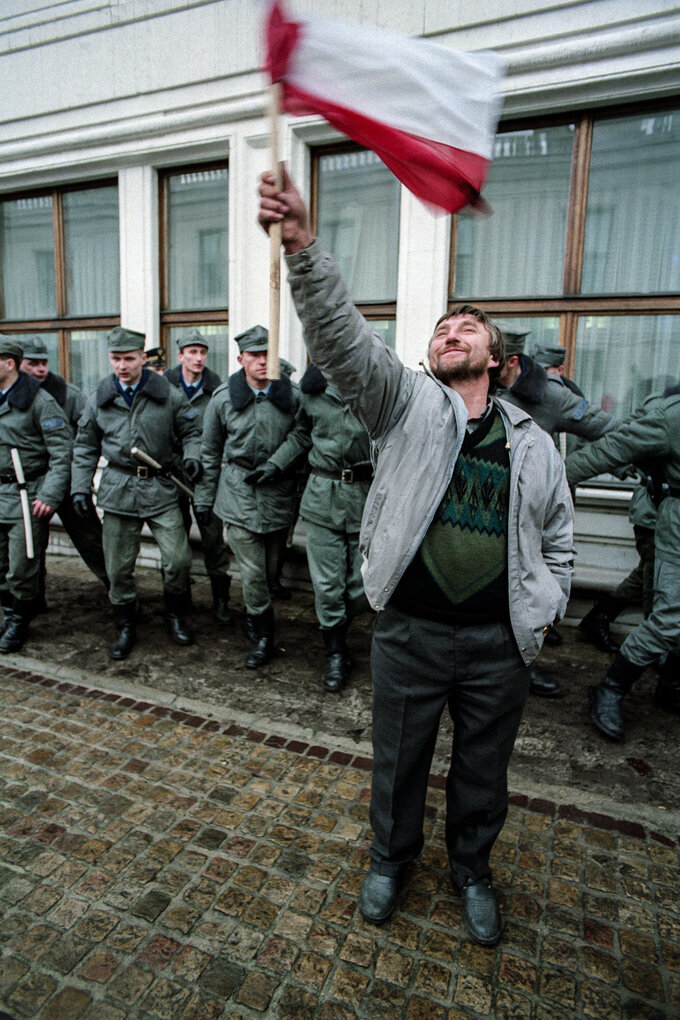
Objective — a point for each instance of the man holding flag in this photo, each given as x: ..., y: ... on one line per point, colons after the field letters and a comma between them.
x: 467, y: 546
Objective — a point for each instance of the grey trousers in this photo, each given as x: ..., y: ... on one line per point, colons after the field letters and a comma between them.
x: 20, y: 576
x: 659, y: 634
x: 335, y: 568
x: 215, y: 552
x: 420, y: 667
x: 258, y: 558
x: 121, y: 539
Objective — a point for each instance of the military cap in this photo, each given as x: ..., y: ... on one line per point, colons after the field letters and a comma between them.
x: 122, y: 340
x: 513, y: 335
x: 192, y: 338
x: 286, y: 367
x: 155, y: 357
x: 10, y: 346
x: 549, y: 357
x: 34, y: 348
x: 253, y: 340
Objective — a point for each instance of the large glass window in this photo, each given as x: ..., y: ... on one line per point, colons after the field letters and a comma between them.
x: 356, y: 215
x: 195, y: 258
x: 583, y: 247
x: 60, y: 277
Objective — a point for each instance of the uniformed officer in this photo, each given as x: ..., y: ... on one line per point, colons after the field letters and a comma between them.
x: 133, y: 407
x: 31, y: 422
x: 340, y: 474
x: 199, y: 382
x: 651, y: 435
x: 86, y: 535
x: 250, y: 445
x: 155, y: 359
x: 556, y: 409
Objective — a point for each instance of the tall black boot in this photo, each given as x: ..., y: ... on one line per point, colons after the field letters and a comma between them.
x: 7, y: 604
x: 594, y: 626
x: 263, y: 648
x: 606, y: 699
x: 175, y: 607
x: 125, y: 622
x: 16, y: 631
x: 338, y: 661
x: 220, y: 584
x: 667, y: 693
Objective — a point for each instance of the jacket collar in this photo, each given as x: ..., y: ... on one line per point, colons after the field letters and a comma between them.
x: 211, y: 380
x: 23, y: 392
x: 531, y: 384
x: 313, y: 381
x: 280, y: 392
x: 512, y: 412
x: 56, y: 387
x: 156, y: 387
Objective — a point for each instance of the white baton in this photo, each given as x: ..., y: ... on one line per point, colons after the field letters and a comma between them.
x: 25, y: 508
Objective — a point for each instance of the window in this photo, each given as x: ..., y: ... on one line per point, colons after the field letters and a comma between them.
x: 355, y: 208
x: 583, y: 247
x: 59, y: 273
x: 195, y: 259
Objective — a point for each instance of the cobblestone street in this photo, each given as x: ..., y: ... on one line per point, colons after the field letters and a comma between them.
x: 180, y: 859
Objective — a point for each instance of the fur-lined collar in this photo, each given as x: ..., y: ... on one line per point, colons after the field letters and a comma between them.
x: 56, y: 387
x: 211, y: 380
x: 280, y: 392
x: 531, y: 384
x: 23, y: 392
x: 313, y: 381
x: 156, y: 387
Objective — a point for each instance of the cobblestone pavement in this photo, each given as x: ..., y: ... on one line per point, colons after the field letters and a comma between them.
x: 157, y: 863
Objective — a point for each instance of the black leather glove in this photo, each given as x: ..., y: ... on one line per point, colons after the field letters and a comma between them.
x: 82, y: 504
x: 193, y: 470
x: 203, y: 515
x: 262, y: 474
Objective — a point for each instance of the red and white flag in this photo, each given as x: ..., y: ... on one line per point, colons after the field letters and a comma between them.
x: 429, y: 112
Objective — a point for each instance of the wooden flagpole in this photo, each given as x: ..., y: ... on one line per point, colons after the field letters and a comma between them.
x: 273, y: 368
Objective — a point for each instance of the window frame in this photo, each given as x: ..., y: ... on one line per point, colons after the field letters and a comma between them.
x: 169, y: 318
x: 571, y: 304
x: 62, y: 323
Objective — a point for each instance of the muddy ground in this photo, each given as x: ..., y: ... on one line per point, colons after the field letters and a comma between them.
x: 558, y: 754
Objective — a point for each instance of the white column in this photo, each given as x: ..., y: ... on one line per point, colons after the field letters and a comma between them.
x: 139, y: 259
x: 424, y: 241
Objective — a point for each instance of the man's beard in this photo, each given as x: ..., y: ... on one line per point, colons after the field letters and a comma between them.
x: 460, y: 371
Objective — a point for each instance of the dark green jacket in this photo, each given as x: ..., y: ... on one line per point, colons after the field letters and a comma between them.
x: 32, y: 421
x: 652, y: 435
x: 338, y: 441
x: 160, y: 420
x: 239, y: 434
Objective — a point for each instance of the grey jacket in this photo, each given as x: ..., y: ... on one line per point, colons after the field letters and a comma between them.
x: 159, y: 421
x: 417, y: 426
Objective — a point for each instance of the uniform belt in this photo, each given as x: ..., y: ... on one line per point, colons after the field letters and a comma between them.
x: 358, y: 473
x: 136, y: 470
x: 8, y: 477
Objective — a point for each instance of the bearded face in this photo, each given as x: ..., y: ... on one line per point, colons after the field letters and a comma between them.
x: 459, y: 350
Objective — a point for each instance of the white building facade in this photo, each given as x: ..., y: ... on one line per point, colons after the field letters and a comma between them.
x: 133, y: 133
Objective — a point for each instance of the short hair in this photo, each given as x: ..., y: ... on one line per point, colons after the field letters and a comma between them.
x: 496, y: 338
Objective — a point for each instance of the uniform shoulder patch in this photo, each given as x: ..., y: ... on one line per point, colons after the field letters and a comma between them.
x: 53, y: 423
x: 580, y: 409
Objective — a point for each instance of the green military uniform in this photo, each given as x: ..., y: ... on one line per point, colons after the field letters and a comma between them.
x: 32, y: 422
x: 244, y: 430
x: 215, y: 552
x: 332, y: 504
x: 86, y: 535
x: 652, y: 435
x: 158, y: 420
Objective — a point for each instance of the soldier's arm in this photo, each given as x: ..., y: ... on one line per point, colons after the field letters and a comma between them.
x: 87, y: 449
x: 211, y: 453
x: 632, y: 441
x: 576, y: 415
x: 297, y: 442
x: 58, y: 439
x: 186, y: 425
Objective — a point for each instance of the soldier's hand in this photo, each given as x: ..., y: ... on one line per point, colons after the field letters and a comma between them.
x: 82, y: 505
x: 203, y: 515
x: 193, y: 470
x: 41, y: 509
x: 262, y: 474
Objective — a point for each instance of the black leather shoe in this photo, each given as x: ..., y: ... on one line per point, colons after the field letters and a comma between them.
x: 480, y: 911
x: 543, y: 686
x: 175, y: 606
x: 378, y: 897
